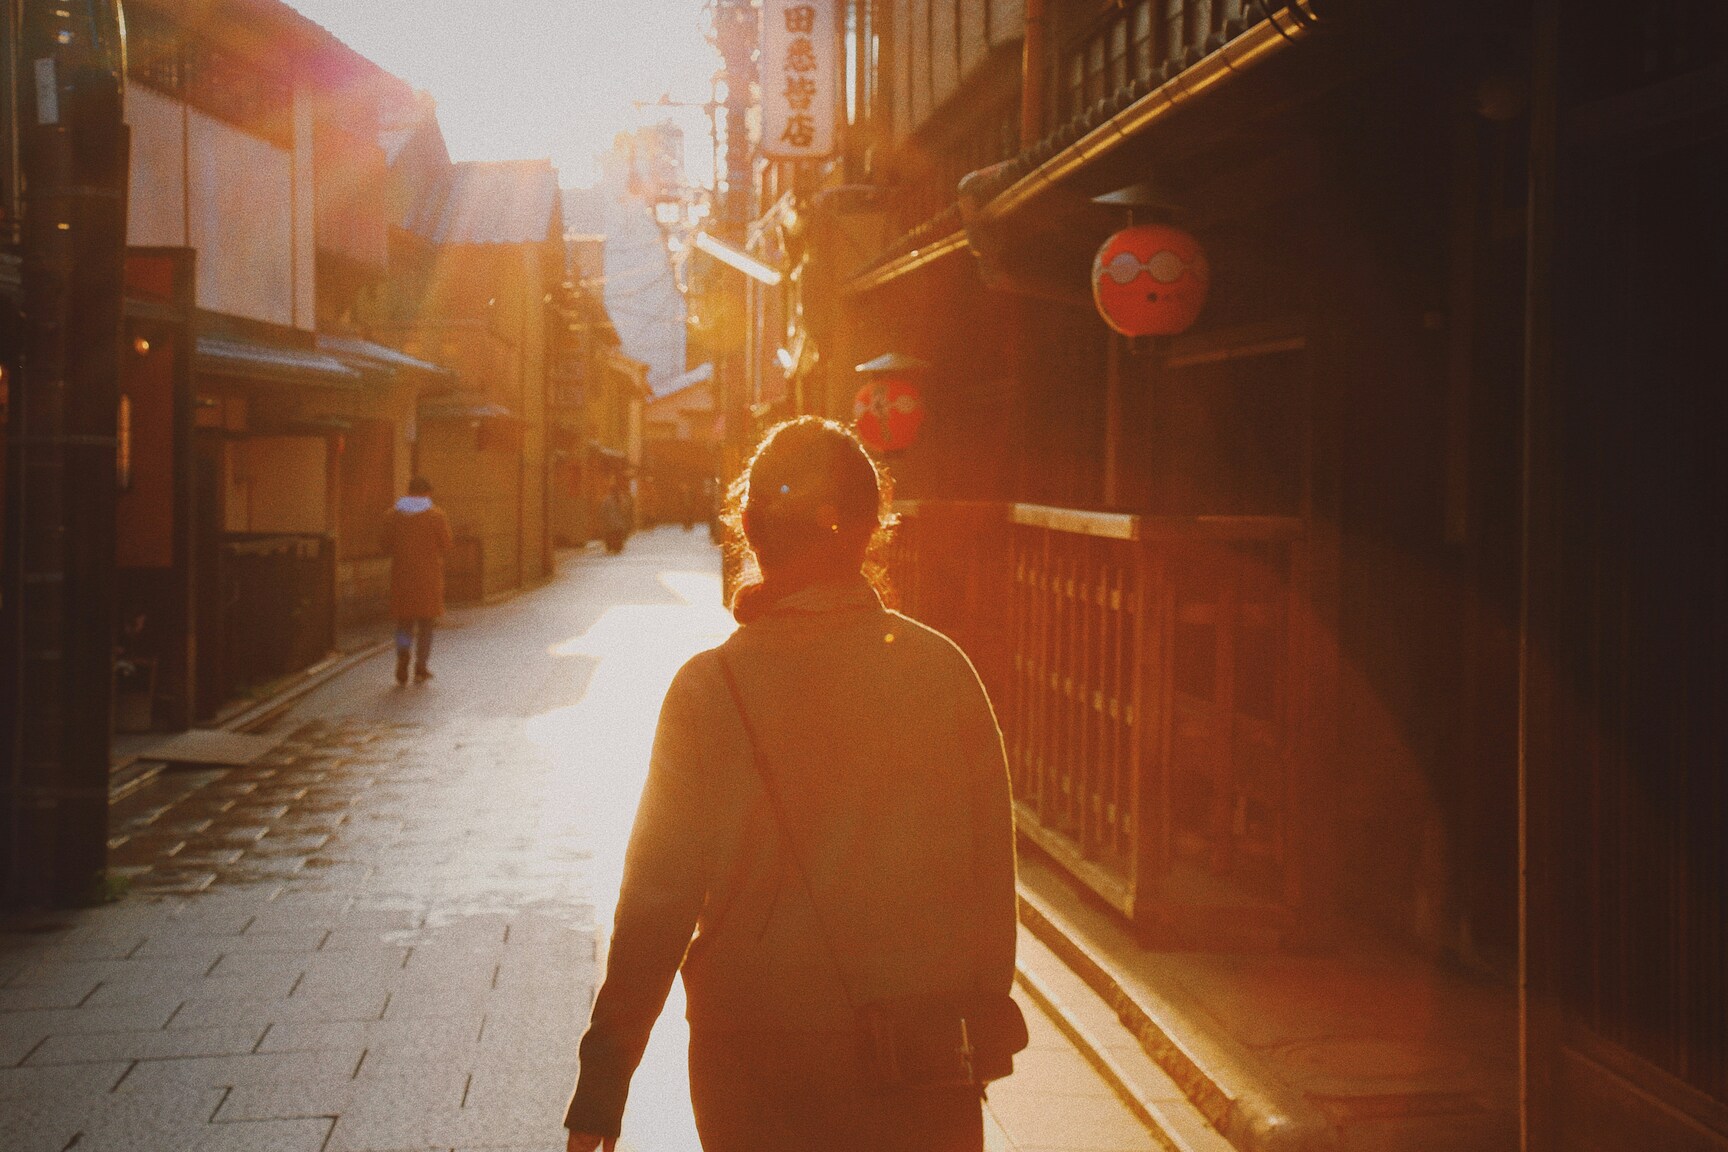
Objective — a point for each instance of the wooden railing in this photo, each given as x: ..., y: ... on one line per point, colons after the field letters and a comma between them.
x: 1146, y: 673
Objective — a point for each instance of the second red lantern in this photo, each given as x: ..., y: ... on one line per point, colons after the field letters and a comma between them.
x: 887, y: 413
x: 1151, y: 280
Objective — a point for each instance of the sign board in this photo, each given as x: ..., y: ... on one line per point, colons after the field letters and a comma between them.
x: 801, y: 78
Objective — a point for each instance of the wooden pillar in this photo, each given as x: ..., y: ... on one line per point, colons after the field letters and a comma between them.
x: 1538, y: 1008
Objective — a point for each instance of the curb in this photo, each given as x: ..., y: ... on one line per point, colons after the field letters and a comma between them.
x: 128, y: 776
x: 1251, y: 1109
x: 254, y: 716
x: 1092, y: 1049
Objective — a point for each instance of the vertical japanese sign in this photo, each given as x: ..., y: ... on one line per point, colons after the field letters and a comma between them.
x: 800, y: 78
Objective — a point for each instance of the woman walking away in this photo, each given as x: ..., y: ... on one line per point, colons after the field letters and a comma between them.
x: 417, y: 537
x: 824, y: 846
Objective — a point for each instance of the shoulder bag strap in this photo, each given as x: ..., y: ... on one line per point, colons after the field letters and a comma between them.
x: 780, y: 825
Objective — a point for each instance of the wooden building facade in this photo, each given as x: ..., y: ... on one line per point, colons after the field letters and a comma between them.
x: 1383, y: 596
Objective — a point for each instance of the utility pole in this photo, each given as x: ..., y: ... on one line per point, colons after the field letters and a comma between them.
x: 57, y: 614
x: 736, y: 33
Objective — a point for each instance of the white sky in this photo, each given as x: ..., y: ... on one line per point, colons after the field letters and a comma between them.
x: 525, y: 79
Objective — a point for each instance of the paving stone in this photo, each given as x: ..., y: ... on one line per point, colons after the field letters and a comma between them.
x: 1052, y: 1066
x: 133, y: 1012
x: 551, y: 1045
x: 171, y: 943
x: 331, y: 1096
x: 222, y: 1013
x: 367, y: 924
x: 304, y: 1135
x: 96, y: 1047
x: 375, y: 1125
x: 79, y: 974
x: 229, y: 1071
x: 105, y: 946
x: 425, y: 1000
x: 171, y: 880
x: 257, y: 940
x: 378, y: 1124
x: 447, y: 1034
x: 252, y: 965
x: 547, y: 1087
x: 1036, y: 1119
x: 19, y: 1038
x: 46, y: 996
x: 437, y: 960
x: 36, y: 1126
x: 260, y: 987
x: 72, y: 1081
x: 139, y: 1121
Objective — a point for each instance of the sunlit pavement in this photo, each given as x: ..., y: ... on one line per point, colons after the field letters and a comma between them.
x: 382, y: 936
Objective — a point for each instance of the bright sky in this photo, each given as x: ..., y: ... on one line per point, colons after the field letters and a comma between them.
x: 524, y: 79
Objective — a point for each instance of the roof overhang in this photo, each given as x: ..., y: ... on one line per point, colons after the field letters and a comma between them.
x: 268, y: 362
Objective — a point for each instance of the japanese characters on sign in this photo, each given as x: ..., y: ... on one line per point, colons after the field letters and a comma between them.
x: 800, y: 78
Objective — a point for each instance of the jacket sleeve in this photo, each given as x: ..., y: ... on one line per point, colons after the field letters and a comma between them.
x: 445, y: 540
x: 665, y: 884
x: 997, y: 907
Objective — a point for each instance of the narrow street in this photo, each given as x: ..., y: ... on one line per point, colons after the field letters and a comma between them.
x: 384, y: 933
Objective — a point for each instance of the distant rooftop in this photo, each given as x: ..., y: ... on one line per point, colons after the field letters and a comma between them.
x: 490, y: 202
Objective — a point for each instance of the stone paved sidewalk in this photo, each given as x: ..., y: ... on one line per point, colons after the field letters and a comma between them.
x: 383, y: 936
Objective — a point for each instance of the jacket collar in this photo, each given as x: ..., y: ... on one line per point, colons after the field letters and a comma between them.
x: 847, y: 594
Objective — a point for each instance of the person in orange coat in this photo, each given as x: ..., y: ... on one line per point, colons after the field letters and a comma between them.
x: 417, y: 536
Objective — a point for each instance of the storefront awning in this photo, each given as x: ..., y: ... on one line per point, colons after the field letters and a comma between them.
x: 240, y: 358
x: 380, y: 363
x: 459, y: 408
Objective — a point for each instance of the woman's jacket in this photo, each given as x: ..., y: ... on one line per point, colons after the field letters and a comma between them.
x: 892, y: 779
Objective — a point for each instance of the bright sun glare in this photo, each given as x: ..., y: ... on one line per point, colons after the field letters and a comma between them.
x: 525, y: 79
x: 598, y: 747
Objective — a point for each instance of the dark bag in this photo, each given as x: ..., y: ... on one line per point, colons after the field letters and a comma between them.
x: 911, y: 1041
x: 940, y: 1041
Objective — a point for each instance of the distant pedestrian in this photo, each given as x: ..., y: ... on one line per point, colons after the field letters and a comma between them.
x: 417, y: 537
x: 615, y: 516
x: 824, y: 846
x: 686, y: 503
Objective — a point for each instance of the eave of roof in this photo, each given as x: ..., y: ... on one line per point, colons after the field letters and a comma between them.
x: 242, y: 359
x: 1003, y: 189
x: 368, y: 357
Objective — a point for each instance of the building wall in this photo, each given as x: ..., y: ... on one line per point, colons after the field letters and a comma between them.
x: 244, y: 203
x: 278, y: 484
x: 477, y: 478
x: 145, y: 510
x: 305, y: 229
x: 935, y: 46
x: 485, y: 317
x: 535, y: 527
x: 156, y: 204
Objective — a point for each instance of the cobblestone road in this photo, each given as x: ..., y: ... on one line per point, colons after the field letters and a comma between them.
x: 383, y: 935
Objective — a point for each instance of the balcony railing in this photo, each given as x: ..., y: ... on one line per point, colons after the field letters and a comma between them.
x: 1146, y: 673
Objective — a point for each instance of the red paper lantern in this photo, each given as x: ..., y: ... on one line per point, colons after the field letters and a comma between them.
x: 1151, y: 280
x: 887, y: 414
